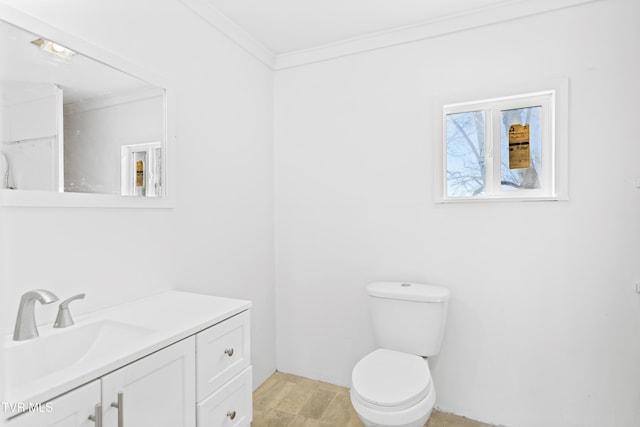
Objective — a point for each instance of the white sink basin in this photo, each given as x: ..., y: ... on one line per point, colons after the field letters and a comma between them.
x: 58, y: 350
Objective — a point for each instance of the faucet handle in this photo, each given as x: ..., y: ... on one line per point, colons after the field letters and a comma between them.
x: 65, y: 303
x: 64, y: 318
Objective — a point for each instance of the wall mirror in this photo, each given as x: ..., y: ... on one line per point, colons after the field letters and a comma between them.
x: 78, y: 126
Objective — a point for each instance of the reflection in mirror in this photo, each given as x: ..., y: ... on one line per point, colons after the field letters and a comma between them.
x: 141, y: 169
x: 70, y: 123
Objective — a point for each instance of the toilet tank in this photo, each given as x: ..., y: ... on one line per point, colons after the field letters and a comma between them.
x: 408, y: 317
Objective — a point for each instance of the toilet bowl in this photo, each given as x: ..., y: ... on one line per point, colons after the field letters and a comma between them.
x: 391, y: 388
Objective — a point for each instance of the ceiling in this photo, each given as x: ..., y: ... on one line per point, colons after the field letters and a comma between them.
x: 290, y: 33
x: 291, y: 25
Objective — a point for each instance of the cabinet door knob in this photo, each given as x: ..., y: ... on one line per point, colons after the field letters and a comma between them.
x: 97, y: 415
x: 229, y: 352
x: 120, y: 406
x: 231, y: 414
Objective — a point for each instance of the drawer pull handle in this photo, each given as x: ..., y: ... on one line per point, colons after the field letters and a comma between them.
x: 97, y: 417
x: 229, y: 352
x: 231, y: 414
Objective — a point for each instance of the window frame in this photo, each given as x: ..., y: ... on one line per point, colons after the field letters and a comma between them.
x: 553, y: 99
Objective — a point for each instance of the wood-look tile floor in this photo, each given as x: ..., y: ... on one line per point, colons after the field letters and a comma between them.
x: 286, y: 400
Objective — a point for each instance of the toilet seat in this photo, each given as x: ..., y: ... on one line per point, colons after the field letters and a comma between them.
x: 388, y: 380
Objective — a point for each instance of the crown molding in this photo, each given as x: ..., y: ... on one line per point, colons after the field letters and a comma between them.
x: 231, y: 30
x: 446, y: 25
x: 504, y: 11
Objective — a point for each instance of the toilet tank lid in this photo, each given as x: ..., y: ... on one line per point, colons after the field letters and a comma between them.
x: 408, y: 291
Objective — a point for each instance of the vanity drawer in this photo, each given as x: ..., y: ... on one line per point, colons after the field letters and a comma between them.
x: 222, y: 352
x: 230, y: 406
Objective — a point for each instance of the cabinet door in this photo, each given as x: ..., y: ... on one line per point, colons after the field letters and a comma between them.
x: 157, y: 390
x: 69, y: 410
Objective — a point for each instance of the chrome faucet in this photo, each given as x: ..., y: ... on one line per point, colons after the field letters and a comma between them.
x: 64, y: 315
x: 26, y: 322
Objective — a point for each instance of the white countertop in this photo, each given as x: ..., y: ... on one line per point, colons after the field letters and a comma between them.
x: 170, y: 317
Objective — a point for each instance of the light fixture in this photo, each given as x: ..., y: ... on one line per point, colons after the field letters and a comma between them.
x: 53, y: 48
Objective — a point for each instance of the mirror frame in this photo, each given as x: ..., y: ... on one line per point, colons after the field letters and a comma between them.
x: 31, y: 198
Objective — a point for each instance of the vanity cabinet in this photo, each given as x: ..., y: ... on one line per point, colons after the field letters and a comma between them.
x: 202, y: 380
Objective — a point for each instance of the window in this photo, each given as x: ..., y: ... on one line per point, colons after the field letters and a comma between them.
x: 503, y: 148
x: 141, y: 169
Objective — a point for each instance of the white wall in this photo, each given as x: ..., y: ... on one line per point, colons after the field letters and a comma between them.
x: 219, y: 238
x: 543, y: 326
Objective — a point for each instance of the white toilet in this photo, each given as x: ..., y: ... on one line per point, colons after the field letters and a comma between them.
x: 392, y: 385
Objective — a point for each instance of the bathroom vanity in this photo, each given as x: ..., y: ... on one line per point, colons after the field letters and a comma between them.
x: 175, y: 359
